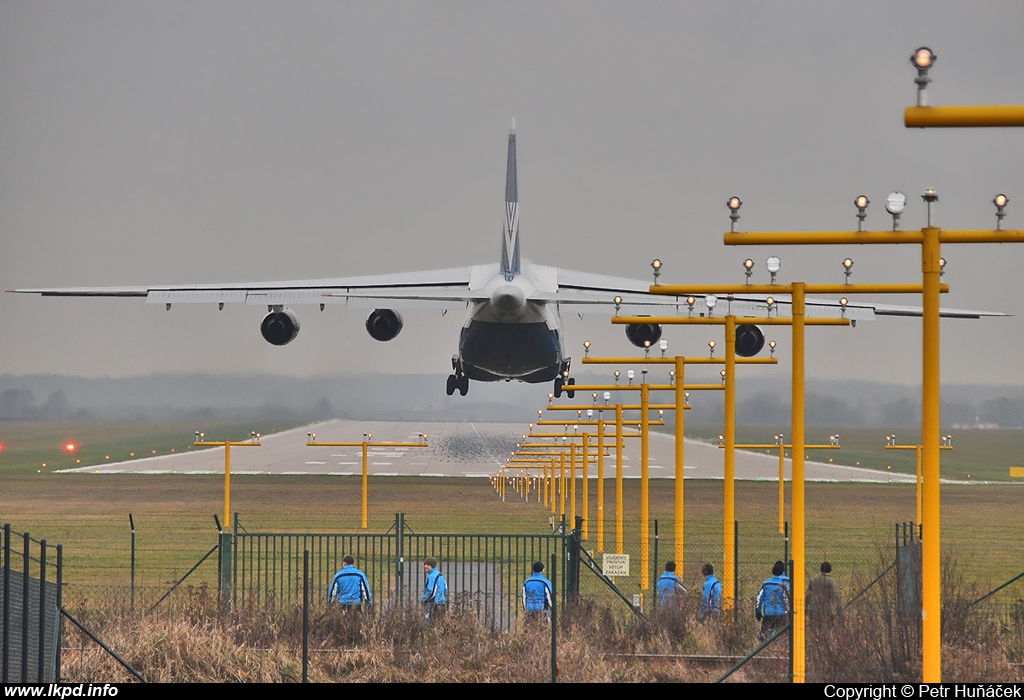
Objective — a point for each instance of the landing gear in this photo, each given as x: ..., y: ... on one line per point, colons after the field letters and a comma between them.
x: 564, y: 385
x: 458, y: 380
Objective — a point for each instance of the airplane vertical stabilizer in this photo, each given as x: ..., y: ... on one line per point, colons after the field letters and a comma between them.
x: 510, y: 239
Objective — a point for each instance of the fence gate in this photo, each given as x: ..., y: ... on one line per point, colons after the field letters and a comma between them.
x: 484, y: 572
x: 30, y: 584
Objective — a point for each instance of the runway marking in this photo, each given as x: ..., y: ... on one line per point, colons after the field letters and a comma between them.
x: 339, y: 455
x: 381, y: 464
x: 426, y: 474
x: 294, y: 473
x: 347, y: 464
x: 340, y: 473
x: 475, y: 474
x: 316, y: 462
x: 385, y: 474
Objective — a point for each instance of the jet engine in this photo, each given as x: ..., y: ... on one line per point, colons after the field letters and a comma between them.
x: 749, y: 340
x: 384, y: 324
x: 641, y: 333
x: 280, y: 327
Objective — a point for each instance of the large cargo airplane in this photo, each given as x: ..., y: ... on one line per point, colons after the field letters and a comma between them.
x: 512, y: 329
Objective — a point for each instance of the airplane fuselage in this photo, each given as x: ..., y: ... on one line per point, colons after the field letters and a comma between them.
x: 509, y: 336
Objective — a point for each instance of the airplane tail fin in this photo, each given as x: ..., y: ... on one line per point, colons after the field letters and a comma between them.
x: 510, y: 237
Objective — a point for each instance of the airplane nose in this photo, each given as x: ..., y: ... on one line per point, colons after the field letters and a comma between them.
x: 508, y: 297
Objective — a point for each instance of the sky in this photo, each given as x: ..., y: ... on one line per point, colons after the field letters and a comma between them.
x: 195, y: 142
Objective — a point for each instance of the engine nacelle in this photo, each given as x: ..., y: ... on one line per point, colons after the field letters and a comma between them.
x: 384, y: 324
x: 749, y: 340
x: 641, y: 333
x: 280, y: 327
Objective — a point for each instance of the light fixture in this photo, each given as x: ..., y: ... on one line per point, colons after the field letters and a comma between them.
x: 690, y: 301
x: 630, y: 374
x: 607, y: 397
x: 618, y: 303
x: 748, y: 268
x: 847, y: 268
x: 923, y: 58
x: 711, y: 347
x: 931, y: 197
x: 586, y: 348
x: 617, y: 374
x: 709, y: 301
x: 842, y: 306
x: 663, y: 346
x: 734, y: 205
x: 1000, y: 200
x: 861, y: 202
x: 686, y: 398
x: 723, y: 376
x: 647, y: 348
x: 656, y: 264
x: 643, y: 376
x: 771, y: 347
x: 672, y: 376
x: 770, y: 302
x: 895, y: 203
x: 942, y: 267
x: 721, y: 440
x: 773, y: 264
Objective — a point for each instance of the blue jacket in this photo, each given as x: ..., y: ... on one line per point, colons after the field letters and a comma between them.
x: 773, y: 598
x: 350, y: 587
x: 711, y: 602
x: 435, y: 590
x: 537, y: 593
x: 669, y: 586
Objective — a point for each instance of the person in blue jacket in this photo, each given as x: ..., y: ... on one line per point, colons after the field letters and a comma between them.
x: 670, y: 588
x: 537, y: 593
x: 435, y: 590
x: 711, y: 600
x: 773, y: 602
x: 349, y: 588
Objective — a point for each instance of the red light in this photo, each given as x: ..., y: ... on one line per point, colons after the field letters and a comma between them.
x: 70, y: 447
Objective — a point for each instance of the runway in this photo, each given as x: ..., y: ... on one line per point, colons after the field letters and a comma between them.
x: 457, y: 450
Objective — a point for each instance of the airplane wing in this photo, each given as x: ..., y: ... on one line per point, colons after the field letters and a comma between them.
x: 597, y: 293
x: 430, y: 289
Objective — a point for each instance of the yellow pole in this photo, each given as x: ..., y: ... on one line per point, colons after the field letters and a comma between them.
x: 931, y: 573
x: 782, y: 487
x: 600, y: 484
x: 366, y: 485
x: 618, y: 479
x: 680, y: 417
x: 572, y: 487
x: 586, y: 479
x: 797, y: 487
x: 227, y: 484
x: 645, y: 495
x: 729, y: 511
x: 561, y: 486
x: 554, y: 488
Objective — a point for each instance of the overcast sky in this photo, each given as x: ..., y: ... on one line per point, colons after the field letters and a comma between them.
x: 192, y: 142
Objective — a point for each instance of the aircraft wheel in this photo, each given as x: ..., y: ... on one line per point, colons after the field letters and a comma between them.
x: 463, y: 385
x: 450, y: 388
x: 558, y: 387
x: 571, y: 392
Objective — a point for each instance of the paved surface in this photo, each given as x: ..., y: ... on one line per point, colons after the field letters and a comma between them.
x: 456, y: 449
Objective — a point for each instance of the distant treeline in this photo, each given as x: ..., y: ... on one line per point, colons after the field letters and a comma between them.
x: 422, y: 397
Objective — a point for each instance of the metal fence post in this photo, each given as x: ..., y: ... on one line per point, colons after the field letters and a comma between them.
x: 736, y: 569
x: 131, y: 522
x: 573, y: 573
x: 26, y: 559
x: 42, y: 611
x: 305, y: 616
x: 7, y: 605
x: 554, y: 619
x: 60, y: 618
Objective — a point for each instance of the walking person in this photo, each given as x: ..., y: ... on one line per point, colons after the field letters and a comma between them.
x: 670, y: 589
x: 435, y: 591
x: 823, y: 597
x: 711, y: 599
x: 537, y: 599
x: 772, y: 606
x: 349, y: 588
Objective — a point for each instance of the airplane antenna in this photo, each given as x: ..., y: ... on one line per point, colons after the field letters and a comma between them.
x: 512, y: 129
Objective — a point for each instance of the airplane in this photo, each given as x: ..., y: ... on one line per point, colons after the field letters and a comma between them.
x: 513, y: 326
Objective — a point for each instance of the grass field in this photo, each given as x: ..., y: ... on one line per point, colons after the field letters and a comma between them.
x: 88, y: 513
